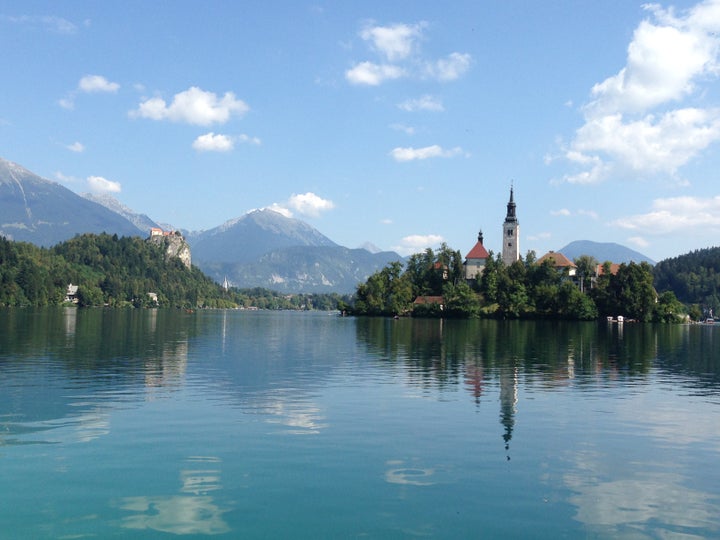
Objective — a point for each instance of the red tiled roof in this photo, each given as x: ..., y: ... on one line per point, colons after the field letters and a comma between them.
x: 558, y: 259
x: 614, y: 267
x: 478, y: 252
x: 428, y: 300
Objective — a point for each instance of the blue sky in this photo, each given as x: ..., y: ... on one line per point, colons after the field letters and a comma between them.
x: 402, y: 124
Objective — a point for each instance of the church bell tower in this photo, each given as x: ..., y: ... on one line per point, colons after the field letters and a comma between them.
x: 511, y: 234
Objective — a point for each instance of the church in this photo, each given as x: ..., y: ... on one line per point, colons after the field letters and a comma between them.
x: 477, y: 257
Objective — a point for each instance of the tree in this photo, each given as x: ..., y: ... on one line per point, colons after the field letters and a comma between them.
x: 492, y: 274
x: 630, y: 292
x: 586, y: 269
x: 460, y: 300
x: 386, y: 292
x: 89, y: 295
x: 668, y: 309
x: 574, y: 304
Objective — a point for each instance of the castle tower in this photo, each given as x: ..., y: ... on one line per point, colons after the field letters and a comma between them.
x: 511, y: 234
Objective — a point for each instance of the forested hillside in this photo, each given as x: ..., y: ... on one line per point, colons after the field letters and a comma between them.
x: 122, y: 272
x: 693, y: 277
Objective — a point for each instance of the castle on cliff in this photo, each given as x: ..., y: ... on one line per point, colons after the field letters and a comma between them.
x: 174, y: 244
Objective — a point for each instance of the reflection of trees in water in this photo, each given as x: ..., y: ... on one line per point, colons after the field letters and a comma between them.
x: 503, y: 355
x: 692, y: 351
x: 546, y: 353
x: 104, y: 354
x: 94, y: 338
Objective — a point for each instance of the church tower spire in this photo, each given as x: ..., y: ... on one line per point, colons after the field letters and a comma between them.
x: 511, y: 233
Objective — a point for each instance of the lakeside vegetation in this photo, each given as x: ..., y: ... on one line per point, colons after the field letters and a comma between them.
x: 433, y: 285
x: 122, y: 272
x: 131, y: 272
x: 694, y: 278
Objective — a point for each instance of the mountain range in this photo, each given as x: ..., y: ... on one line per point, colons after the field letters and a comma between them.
x: 604, y: 251
x: 42, y: 212
x: 259, y: 249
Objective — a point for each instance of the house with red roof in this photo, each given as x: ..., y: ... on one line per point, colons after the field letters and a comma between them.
x: 560, y: 262
x: 476, y: 259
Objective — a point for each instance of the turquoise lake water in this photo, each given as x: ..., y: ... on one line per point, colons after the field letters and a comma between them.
x: 232, y: 424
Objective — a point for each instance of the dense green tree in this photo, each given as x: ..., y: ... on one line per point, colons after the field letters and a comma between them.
x: 386, y: 292
x: 491, y: 275
x: 574, y: 304
x: 694, y: 278
x: 89, y: 295
x: 668, y: 309
x: 460, y: 300
x: 586, y: 269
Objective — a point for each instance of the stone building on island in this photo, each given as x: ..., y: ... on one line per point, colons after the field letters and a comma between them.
x: 511, y: 234
x: 477, y: 257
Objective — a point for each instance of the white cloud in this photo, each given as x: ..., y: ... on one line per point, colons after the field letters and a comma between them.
x: 66, y: 179
x: 88, y: 84
x: 193, y: 106
x: 309, y: 204
x: 416, y: 243
x: 634, y: 122
x: 589, y: 213
x: 386, y: 221
x: 454, y: 66
x: 76, y: 147
x: 407, y: 130
x: 398, y: 49
x: 373, y: 74
x: 49, y: 22
x: 67, y: 103
x: 676, y: 214
x: 97, y: 83
x: 410, y: 154
x: 424, y: 103
x: 651, y: 144
x: 98, y: 184
x: 638, y: 241
x: 210, y: 142
x: 395, y: 42
x: 243, y: 138
x: 564, y: 212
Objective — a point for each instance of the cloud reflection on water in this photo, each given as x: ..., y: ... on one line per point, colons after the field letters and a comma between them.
x: 630, y: 503
x: 624, y: 506
x: 191, y: 512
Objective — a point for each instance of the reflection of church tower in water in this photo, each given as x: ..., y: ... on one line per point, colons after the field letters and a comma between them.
x: 508, y: 401
x: 511, y: 234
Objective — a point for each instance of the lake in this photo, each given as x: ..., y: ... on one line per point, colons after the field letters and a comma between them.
x: 238, y: 424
